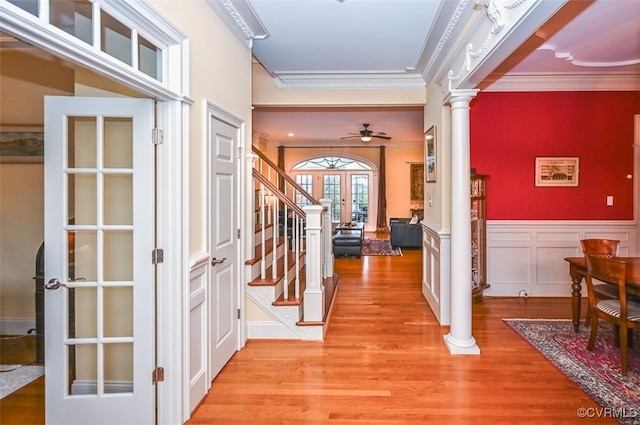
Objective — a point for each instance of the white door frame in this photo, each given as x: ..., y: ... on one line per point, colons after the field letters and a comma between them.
x: 172, y: 165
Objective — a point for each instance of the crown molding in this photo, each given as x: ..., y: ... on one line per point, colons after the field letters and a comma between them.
x: 561, y: 82
x: 350, y: 81
x: 240, y: 19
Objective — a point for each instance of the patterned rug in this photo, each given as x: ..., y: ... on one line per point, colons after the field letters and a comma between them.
x: 379, y: 247
x: 597, y: 372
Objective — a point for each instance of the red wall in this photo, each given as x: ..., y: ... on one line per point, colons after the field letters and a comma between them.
x: 508, y: 130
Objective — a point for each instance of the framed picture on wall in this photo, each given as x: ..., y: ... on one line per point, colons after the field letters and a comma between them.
x: 430, y: 154
x: 557, y: 171
x: 21, y: 144
x: 417, y: 182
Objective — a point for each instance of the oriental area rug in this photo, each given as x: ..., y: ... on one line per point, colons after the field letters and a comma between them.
x: 597, y: 372
x: 379, y: 247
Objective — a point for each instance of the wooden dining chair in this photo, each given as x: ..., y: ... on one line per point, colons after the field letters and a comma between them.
x: 621, y: 312
x: 606, y: 248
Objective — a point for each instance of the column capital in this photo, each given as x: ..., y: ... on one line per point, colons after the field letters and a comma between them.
x: 460, y: 95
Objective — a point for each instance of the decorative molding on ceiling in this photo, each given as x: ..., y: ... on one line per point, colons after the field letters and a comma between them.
x: 241, y: 19
x: 562, y: 82
x: 350, y: 81
x: 446, y: 36
x: 567, y: 55
x: 491, y: 37
x: 498, y: 14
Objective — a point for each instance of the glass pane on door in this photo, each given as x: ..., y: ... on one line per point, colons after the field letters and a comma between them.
x: 99, y: 293
x: 360, y: 198
x: 331, y: 190
x: 305, y: 181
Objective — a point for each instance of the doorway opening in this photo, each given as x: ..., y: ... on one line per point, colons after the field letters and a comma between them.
x: 348, y: 181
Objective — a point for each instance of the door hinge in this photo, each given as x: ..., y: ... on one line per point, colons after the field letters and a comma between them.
x: 238, y: 314
x: 157, y: 256
x: 157, y: 375
x: 238, y: 233
x: 157, y: 136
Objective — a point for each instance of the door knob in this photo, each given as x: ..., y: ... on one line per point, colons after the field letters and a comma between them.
x: 53, y: 284
x: 215, y: 261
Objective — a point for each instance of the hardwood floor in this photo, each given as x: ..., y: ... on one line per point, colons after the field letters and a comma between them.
x: 383, y: 362
x: 25, y: 406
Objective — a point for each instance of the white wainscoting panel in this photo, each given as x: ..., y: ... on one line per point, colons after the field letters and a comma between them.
x: 436, y: 252
x: 198, y: 330
x: 529, y: 255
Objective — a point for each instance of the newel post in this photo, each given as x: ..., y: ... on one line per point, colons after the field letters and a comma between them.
x: 250, y: 199
x: 314, y: 292
x: 328, y: 235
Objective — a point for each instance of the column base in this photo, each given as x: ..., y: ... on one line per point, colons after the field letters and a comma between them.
x: 457, y: 346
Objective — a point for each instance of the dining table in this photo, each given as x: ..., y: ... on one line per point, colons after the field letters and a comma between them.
x: 578, y: 272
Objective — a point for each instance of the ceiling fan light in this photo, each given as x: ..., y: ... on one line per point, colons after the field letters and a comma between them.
x: 365, y: 139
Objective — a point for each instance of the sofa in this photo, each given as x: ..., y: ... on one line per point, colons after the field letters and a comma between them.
x: 403, y: 234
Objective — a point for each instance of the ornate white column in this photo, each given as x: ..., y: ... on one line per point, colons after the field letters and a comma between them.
x: 459, y: 339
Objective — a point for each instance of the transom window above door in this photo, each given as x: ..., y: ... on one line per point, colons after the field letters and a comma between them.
x: 110, y: 28
x: 332, y: 163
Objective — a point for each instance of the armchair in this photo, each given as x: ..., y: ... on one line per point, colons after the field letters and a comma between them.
x: 403, y: 234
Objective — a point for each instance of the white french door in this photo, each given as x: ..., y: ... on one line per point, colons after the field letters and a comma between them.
x: 99, y: 277
x: 350, y: 192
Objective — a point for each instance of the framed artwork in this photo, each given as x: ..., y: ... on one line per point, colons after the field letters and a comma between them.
x: 417, y: 182
x: 557, y: 171
x: 22, y: 144
x: 430, y: 154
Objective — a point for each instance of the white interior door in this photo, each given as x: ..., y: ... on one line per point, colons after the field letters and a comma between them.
x: 99, y: 236
x: 223, y: 242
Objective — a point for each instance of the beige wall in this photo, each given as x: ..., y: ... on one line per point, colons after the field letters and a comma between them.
x: 21, y: 233
x: 437, y: 215
x: 220, y: 72
x: 23, y: 86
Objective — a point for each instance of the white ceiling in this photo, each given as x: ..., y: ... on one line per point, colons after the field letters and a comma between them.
x: 315, y: 39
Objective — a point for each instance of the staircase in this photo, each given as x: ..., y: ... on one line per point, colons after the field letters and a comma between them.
x: 290, y: 275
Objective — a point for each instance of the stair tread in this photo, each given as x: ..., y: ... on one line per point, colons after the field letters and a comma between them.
x: 257, y: 252
x: 292, y: 300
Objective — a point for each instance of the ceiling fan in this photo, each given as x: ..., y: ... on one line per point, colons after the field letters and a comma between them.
x: 366, y: 135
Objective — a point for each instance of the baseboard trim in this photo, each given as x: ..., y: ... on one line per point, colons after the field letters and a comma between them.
x: 16, y: 326
x: 269, y: 330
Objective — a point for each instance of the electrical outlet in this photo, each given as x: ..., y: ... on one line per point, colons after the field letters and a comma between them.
x: 609, y: 200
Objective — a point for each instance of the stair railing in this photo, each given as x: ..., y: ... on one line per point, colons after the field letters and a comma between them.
x: 310, y: 227
x: 269, y: 212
